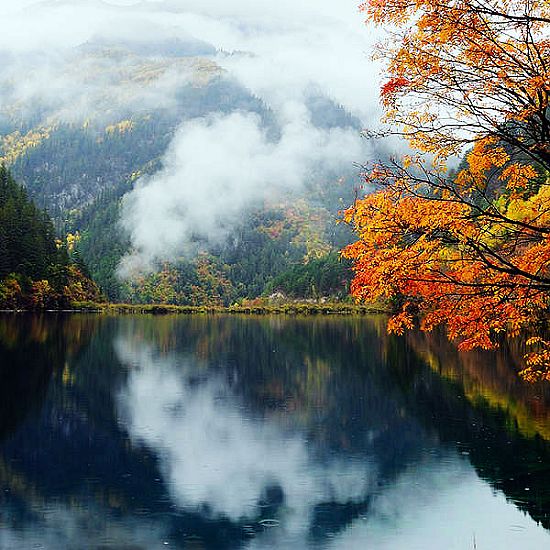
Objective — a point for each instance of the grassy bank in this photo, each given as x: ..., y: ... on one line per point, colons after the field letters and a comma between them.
x: 291, y: 308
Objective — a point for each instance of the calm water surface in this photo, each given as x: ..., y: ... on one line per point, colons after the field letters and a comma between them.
x: 258, y: 433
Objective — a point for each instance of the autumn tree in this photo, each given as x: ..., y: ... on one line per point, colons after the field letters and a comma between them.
x: 471, y: 250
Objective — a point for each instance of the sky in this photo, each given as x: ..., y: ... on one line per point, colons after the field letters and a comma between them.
x: 217, y: 167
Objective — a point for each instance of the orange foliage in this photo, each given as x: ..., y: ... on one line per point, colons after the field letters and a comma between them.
x: 470, y: 252
x: 42, y: 294
x: 11, y: 294
x: 79, y: 288
x: 213, y: 287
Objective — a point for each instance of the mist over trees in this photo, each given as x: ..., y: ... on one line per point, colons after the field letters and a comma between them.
x: 85, y: 169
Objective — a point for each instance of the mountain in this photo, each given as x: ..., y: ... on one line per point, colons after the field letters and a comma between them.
x: 79, y: 151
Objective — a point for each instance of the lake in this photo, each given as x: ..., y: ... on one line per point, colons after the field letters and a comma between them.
x: 230, y: 432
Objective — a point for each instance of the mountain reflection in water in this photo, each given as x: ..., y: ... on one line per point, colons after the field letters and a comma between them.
x: 240, y: 432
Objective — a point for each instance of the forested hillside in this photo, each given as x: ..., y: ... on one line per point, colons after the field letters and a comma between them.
x: 289, y: 248
x: 79, y: 165
x: 36, y: 271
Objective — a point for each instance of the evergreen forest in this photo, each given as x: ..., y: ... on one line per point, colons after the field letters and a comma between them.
x: 37, y: 271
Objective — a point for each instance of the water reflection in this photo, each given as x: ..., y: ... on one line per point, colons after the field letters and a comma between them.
x: 24, y: 370
x: 228, y: 432
x: 500, y: 421
x: 441, y: 507
x: 224, y: 460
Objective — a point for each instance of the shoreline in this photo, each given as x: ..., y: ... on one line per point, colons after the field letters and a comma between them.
x: 298, y: 308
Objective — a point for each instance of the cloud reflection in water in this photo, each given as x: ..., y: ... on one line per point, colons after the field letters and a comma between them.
x: 219, y: 458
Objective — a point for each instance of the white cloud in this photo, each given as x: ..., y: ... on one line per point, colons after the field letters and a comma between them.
x: 218, y: 167
x: 215, y: 170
